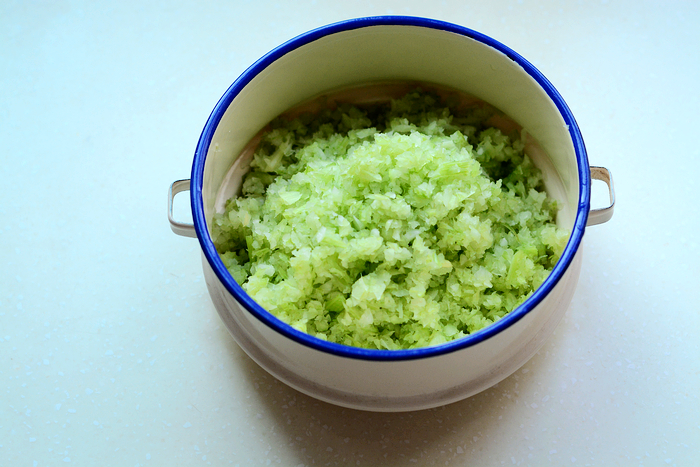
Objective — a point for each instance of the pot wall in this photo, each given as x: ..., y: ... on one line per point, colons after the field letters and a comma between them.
x: 394, y: 385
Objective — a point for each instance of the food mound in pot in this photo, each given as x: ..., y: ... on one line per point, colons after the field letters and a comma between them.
x: 390, y: 226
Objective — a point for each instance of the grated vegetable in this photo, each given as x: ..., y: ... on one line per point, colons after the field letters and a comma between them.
x: 393, y: 226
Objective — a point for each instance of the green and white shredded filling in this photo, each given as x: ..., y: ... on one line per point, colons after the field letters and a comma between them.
x: 393, y: 227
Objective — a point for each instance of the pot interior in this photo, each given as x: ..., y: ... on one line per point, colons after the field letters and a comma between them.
x: 364, y: 58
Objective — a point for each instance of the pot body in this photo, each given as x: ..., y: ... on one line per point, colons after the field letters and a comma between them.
x: 386, y: 385
x: 366, y: 52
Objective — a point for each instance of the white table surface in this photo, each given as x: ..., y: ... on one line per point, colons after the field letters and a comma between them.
x: 111, y: 352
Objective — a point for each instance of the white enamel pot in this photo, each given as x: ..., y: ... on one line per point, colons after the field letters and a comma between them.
x: 375, y: 50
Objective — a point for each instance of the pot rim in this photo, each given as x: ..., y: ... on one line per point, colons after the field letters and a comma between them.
x: 307, y: 340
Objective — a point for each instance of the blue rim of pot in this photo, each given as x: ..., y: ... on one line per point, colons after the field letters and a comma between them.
x: 270, y: 320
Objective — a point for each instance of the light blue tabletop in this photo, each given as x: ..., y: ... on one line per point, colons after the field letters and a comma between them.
x: 111, y: 352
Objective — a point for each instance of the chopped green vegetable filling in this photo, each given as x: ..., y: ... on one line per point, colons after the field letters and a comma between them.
x: 390, y: 227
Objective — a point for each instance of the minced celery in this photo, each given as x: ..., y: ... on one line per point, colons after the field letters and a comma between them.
x: 390, y: 227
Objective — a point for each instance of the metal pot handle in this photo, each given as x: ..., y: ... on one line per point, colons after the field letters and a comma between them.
x: 184, y: 229
x: 601, y: 215
x: 596, y: 216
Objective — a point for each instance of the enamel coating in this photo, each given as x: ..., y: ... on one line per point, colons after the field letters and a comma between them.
x: 370, y: 50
